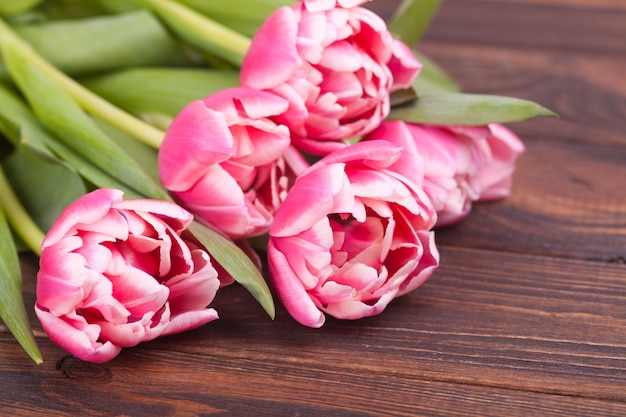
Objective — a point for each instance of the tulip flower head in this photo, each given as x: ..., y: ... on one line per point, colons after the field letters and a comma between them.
x: 457, y: 166
x: 336, y: 63
x: 114, y: 273
x: 350, y: 236
x: 219, y: 152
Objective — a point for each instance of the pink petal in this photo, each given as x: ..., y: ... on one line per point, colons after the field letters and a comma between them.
x: 377, y: 153
x: 174, y: 215
x: 197, y: 138
x: 411, y: 162
x: 341, y: 56
x: 87, y: 209
x: 354, y: 309
x: 310, y: 199
x: 139, y: 292
x: 308, y: 253
x: 428, y: 263
x: 80, y: 342
x: 196, y: 291
x: 246, y: 102
x: 127, y: 334
x: 272, y: 56
x: 290, y: 291
x: 403, y: 65
x: 61, y: 277
x: 189, y: 320
x: 268, y: 145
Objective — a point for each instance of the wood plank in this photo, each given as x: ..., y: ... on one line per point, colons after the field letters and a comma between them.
x: 146, y: 386
x: 534, y: 25
x: 585, y: 4
x: 544, y: 332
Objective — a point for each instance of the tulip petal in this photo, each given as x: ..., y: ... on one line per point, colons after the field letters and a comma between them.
x: 61, y: 277
x: 76, y: 340
x: 85, y: 210
x: 296, y: 214
x: 197, y: 290
x: 197, y: 138
x: 290, y: 291
x: 139, y: 292
x: 272, y: 57
x: 189, y: 320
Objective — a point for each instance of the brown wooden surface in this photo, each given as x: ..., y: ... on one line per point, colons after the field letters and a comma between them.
x: 526, y: 315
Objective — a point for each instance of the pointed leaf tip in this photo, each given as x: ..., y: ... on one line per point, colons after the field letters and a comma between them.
x: 448, y: 108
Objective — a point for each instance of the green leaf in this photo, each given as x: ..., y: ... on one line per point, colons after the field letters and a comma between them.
x: 85, y: 98
x: 467, y: 109
x: 412, y: 18
x: 145, y: 156
x: 150, y: 92
x: 23, y: 129
x: 199, y: 30
x: 245, y: 16
x: 18, y: 124
x: 8, y: 7
x: 104, y: 43
x: 12, y: 308
x: 236, y: 263
x: 62, y: 116
x: 45, y: 186
x: 72, y: 9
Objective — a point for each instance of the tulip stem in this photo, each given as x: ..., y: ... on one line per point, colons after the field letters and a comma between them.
x: 91, y: 102
x: 200, y: 31
x: 18, y: 217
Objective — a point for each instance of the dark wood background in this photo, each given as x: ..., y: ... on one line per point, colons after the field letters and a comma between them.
x: 525, y: 317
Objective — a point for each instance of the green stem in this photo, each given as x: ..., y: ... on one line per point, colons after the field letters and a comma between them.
x: 18, y: 218
x: 86, y: 99
x: 200, y: 31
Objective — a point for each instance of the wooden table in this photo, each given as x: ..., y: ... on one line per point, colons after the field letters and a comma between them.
x: 525, y: 317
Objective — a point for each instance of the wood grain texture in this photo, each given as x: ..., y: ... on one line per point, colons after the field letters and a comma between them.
x: 498, y: 331
x: 526, y: 315
x: 598, y: 29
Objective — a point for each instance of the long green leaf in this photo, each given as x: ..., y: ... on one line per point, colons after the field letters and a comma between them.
x: 237, y: 264
x: 9, y: 7
x: 145, y: 156
x: 200, y: 31
x: 60, y: 114
x: 244, y: 16
x: 85, y: 98
x: 18, y: 124
x: 467, y: 109
x: 24, y: 130
x: 159, y: 92
x: 43, y: 185
x: 12, y: 308
x: 72, y: 9
x: 104, y: 43
x: 412, y: 18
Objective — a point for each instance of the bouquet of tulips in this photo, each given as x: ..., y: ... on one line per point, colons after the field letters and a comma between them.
x: 154, y: 151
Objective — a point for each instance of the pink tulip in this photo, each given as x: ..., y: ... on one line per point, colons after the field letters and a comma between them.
x: 218, y: 152
x: 114, y: 273
x: 336, y: 63
x: 455, y: 165
x: 350, y: 237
